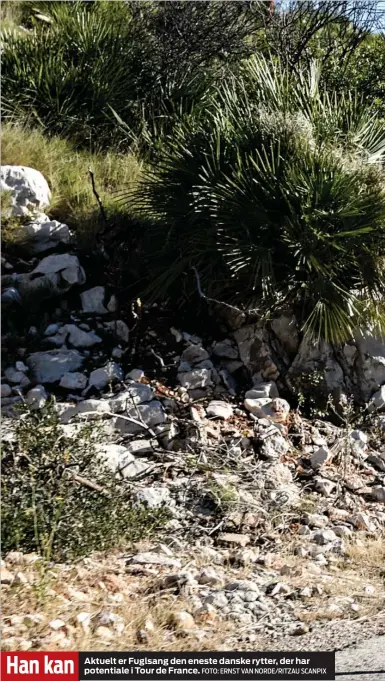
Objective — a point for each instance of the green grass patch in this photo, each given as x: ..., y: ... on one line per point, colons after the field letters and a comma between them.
x: 67, y: 171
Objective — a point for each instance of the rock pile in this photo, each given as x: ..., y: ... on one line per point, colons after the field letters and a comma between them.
x: 238, y: 469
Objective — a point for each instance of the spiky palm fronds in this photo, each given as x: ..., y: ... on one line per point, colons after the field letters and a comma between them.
x: 271, y: 196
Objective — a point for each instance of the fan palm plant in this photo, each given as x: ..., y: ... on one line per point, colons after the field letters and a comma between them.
x: 274, y: 194
x: 79, y: 60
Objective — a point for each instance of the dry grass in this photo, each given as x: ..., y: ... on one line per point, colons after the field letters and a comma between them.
x: 355, y: 583
x: 367, y: 555
x: 11, y: 12
x: 67, y: 172
x: 351, y: 589
x: 96, y: 586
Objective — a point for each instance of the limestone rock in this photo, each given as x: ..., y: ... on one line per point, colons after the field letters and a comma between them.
x: 68, y: 266
x: 100, y: 378
x: 371, y: 351
x: 360, y: 437
x: 36, y: 397
x: 93, y: 300
x: 50, y: 366
x: 274, y: 446
x: 255, y: 352
x: 140, y: 447
x: 14, y: 376
x: 6, y: 577
x: 93, y: 408
x: 219, y: 409
x: 150, y: 414
x: 153, y: 497
x: 285, y: 328
x: 313, y: 357
x: 198, y: 378
x: 135, y: 375
x: 377, y: 460
x: 378, y: 493
x: 79, y: 338
x: 6, y: 390
x: 73, y: 381
x: 135, y: 393
x: 154, y: 559
x: 182, y: 621
x: 120, y: 329
x: 362, y: 521
x: 323, y: 537
x: 225, y: 349
x: 378, y: 400
x: 121, y: 461
x: 43, y: 234
x: 233, y: 538
x: 276, y: 410
x: 324, y: 486
x: 51, y: 329
x: 319, y: 457
x: 28, y: 188
x: 53, y: 276
x: 209, y: 576
x: 194, y: 354
x: 266, y: 389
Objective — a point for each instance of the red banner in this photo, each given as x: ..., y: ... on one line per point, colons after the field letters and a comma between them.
x: 31, y: 666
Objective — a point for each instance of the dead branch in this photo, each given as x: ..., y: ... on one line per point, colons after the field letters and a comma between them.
x: 97, y: 197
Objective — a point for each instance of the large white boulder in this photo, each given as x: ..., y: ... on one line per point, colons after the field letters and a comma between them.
x: 28, y: 189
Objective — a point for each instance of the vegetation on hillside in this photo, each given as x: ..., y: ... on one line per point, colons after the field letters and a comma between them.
x: 262, y: 174
x: 59, y: 498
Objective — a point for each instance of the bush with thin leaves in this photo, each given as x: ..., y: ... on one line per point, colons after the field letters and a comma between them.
x: 79, y: 61
x: 57, y: 497
x: 275, y: 196
x: 81, y: 66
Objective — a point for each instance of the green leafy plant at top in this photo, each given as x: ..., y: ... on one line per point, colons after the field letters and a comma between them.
x: 59, y: 499
x: 274, y: 195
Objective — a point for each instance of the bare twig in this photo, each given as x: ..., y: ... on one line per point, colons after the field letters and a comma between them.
x: 213, y: 300
x: 88, y: 483
x: 120, y: 416
x: 159, y: 358
x: 97, y: 197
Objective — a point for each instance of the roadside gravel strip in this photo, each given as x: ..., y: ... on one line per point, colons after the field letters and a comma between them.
x: 368, y: 655
x: 362, y: 662
x: 360, y: 647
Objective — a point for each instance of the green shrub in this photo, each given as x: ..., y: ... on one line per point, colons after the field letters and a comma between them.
x: 78, y: 61
x: 85, y: 61
x: 275, y: 195
x: 365, y: 71
x: 57, y: 497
